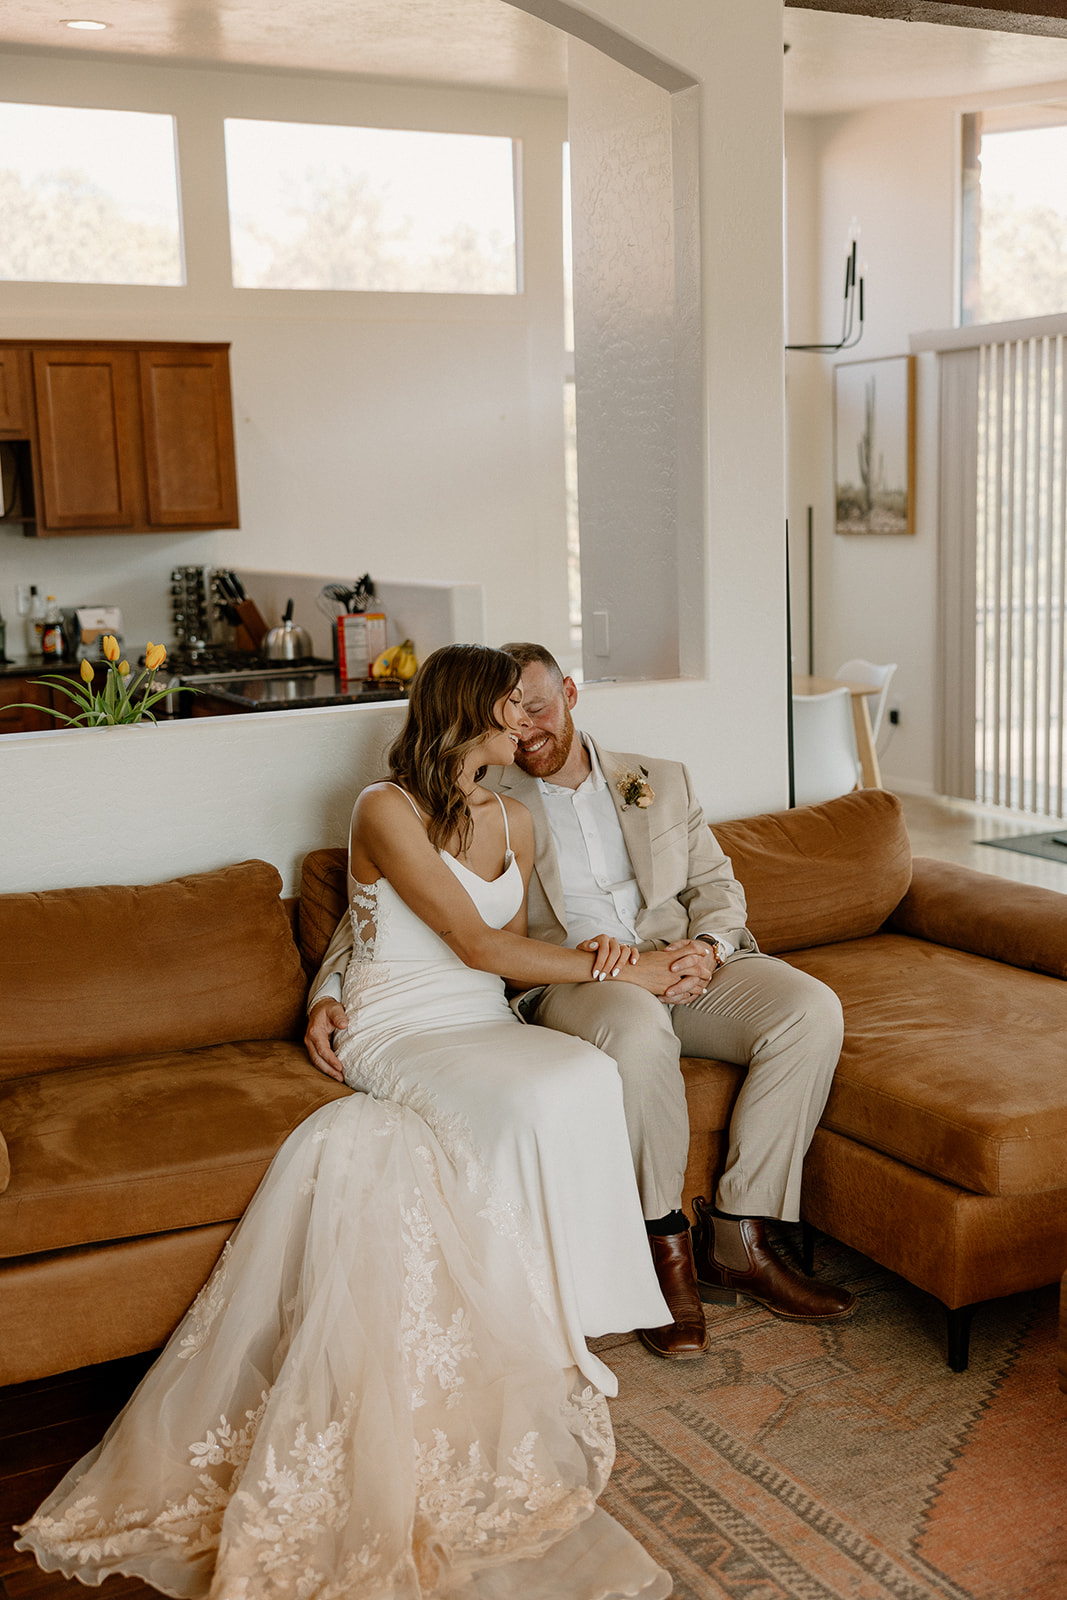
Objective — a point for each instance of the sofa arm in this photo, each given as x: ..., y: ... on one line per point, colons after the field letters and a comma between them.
x: 5, y: 1165
x: 985, y: 915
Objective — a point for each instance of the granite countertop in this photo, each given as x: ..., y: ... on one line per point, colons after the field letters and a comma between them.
x: 34, y: 669
x: 286, y: 693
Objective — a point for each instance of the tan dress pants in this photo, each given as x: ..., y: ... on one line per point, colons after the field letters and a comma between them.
x: 783, y: 1025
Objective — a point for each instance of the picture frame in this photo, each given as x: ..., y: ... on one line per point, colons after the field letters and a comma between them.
x: 874, y: 446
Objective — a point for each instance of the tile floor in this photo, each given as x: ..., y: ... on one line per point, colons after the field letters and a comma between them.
x: 948, y: 829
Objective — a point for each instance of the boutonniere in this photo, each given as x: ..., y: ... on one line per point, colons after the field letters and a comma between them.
x: 635, y: 789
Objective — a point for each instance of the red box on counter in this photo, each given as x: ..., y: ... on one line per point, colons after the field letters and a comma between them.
x: 360, y: 640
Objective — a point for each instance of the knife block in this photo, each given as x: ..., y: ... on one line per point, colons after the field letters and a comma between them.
x: 253, y: 629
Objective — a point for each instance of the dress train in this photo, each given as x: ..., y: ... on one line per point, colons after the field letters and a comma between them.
x: 355, y: 1407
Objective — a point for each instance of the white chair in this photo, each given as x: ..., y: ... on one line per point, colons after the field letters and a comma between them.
x: 860, y: 671
x: 825, y: 763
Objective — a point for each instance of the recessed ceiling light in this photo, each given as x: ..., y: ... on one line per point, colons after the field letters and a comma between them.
x: 84, y: 24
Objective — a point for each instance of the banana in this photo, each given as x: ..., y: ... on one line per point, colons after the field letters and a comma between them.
x: 397, y: 662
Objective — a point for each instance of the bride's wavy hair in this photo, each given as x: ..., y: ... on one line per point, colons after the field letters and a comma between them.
x: 450, y: 709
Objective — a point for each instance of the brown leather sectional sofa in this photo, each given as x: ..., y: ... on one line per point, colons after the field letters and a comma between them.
x: 151, y: 1064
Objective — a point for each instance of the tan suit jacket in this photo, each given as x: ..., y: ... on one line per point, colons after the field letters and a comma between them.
x: 686, y: 882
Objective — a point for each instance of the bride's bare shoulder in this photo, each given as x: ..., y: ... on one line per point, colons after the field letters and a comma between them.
x: 383, y: 800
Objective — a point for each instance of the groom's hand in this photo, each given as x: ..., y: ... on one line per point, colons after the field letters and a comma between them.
x: 324, y: 1020
x: 694, y: 963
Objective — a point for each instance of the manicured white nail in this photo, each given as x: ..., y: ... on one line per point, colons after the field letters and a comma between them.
x: 615, y: 972
x: 600, y: 977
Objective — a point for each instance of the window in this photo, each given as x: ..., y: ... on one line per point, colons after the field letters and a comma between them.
x: 88, y: 196
x: 1014, y: 220
x: 315, y: 206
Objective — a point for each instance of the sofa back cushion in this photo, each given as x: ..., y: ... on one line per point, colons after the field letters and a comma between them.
x: 820, y: 874
x: 323, y: 902
x: 96, y: 974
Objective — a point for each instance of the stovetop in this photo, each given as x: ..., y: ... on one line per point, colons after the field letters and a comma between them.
x: 214, y: 662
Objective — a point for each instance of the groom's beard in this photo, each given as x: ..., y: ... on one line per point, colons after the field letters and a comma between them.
x: 550, y: 756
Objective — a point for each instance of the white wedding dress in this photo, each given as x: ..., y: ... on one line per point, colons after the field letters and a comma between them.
x: 384, y: 1392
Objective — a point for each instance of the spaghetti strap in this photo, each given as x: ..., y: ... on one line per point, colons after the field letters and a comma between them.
x: 418, y: 813
x: 507, y: 831
x: 408, y: 798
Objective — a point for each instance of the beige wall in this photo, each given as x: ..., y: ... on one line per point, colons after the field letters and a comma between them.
x: 270, y: 785
x: 895, y: 169
x: 414, y: 436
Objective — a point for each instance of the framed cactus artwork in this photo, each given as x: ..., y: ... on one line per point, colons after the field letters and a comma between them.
x: 874, y: 446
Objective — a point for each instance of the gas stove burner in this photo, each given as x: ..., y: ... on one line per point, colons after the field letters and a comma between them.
x: 218, y: 661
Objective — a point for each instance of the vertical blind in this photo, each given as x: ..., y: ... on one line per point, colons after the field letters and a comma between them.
x: 1020, y: 575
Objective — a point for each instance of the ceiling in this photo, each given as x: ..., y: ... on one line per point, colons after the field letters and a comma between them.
x: 483, y: 43
x: 840, y: 62
x: 836, y: 62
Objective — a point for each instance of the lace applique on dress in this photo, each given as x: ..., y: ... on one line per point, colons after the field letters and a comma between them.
x: 429, y: 1349
x: 366, y: 911
x: 85, y: 1534
x: 205, y: 1308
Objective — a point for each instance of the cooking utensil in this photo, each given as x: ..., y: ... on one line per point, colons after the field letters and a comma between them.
x: 288, y: 642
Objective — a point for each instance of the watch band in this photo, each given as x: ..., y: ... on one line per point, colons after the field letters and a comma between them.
x: 717, y: 945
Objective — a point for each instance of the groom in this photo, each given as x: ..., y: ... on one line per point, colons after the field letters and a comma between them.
x: 621, y: 848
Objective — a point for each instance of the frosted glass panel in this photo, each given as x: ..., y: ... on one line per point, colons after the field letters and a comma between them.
x: 323, y: 207
x: 88, y: 196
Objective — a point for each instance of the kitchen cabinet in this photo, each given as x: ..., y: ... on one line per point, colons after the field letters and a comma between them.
x: 121, y: 437
x: 14, y: 390
x: 15, y: 716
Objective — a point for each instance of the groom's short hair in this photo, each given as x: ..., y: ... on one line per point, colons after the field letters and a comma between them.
x: 527, y: 654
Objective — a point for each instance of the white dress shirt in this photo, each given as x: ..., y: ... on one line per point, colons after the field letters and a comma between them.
x: 599, y: 888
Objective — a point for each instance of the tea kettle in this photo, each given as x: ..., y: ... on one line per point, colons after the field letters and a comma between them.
x: 287, y: 642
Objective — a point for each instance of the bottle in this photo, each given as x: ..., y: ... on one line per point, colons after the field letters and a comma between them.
x: 52, y: 632
x: 34, y: 623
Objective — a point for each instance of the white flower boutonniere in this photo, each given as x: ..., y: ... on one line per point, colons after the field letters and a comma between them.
x: 635, y: 789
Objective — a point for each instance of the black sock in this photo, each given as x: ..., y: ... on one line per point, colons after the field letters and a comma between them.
x: 673, y: 1222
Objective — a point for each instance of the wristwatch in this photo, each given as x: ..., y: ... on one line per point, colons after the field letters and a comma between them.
x: 721, y: 949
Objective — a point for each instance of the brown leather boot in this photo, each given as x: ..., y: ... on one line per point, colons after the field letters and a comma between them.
x: 687, y: 1336
x: 743, y: 1260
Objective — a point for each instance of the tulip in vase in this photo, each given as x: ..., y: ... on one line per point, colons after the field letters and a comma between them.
x: 122, y: 700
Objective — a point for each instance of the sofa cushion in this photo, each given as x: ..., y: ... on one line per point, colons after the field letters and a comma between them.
x: 951, y: 1063
x: 94, y: 974
x: 323, y: 902
x: 820, y: 874
x: 989, y: 916
x: 139, y: 1146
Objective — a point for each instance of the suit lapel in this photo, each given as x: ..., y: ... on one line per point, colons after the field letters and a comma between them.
x: 523, y: 787
x: 634, y: 822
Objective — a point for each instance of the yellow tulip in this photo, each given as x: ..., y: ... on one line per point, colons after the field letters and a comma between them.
x: 87, y: 671
x: 124, y: 669
x: 111, y: 647
x: 155, y: 655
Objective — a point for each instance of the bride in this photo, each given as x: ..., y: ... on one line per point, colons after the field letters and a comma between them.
x: 384, y: 1390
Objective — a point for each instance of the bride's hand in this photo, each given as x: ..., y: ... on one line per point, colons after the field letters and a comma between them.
x: 610, y: 955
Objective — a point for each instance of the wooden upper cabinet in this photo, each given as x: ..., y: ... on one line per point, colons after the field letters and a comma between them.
x: 188, y: 437
x: 14, y: 391
x: 124, y: 437
x: 86, y: 420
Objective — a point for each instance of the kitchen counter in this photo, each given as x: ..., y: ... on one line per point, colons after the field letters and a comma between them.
x: 286, y: 693
x: 34, y: 669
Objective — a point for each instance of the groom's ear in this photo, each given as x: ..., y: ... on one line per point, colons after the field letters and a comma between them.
x: 570, y: 693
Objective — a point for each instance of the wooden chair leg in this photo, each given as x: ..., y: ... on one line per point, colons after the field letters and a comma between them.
x: 959, y: 1336
x: 807, y: 1247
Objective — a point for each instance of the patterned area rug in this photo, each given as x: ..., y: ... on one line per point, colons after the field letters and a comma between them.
x: 847, y: 1462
